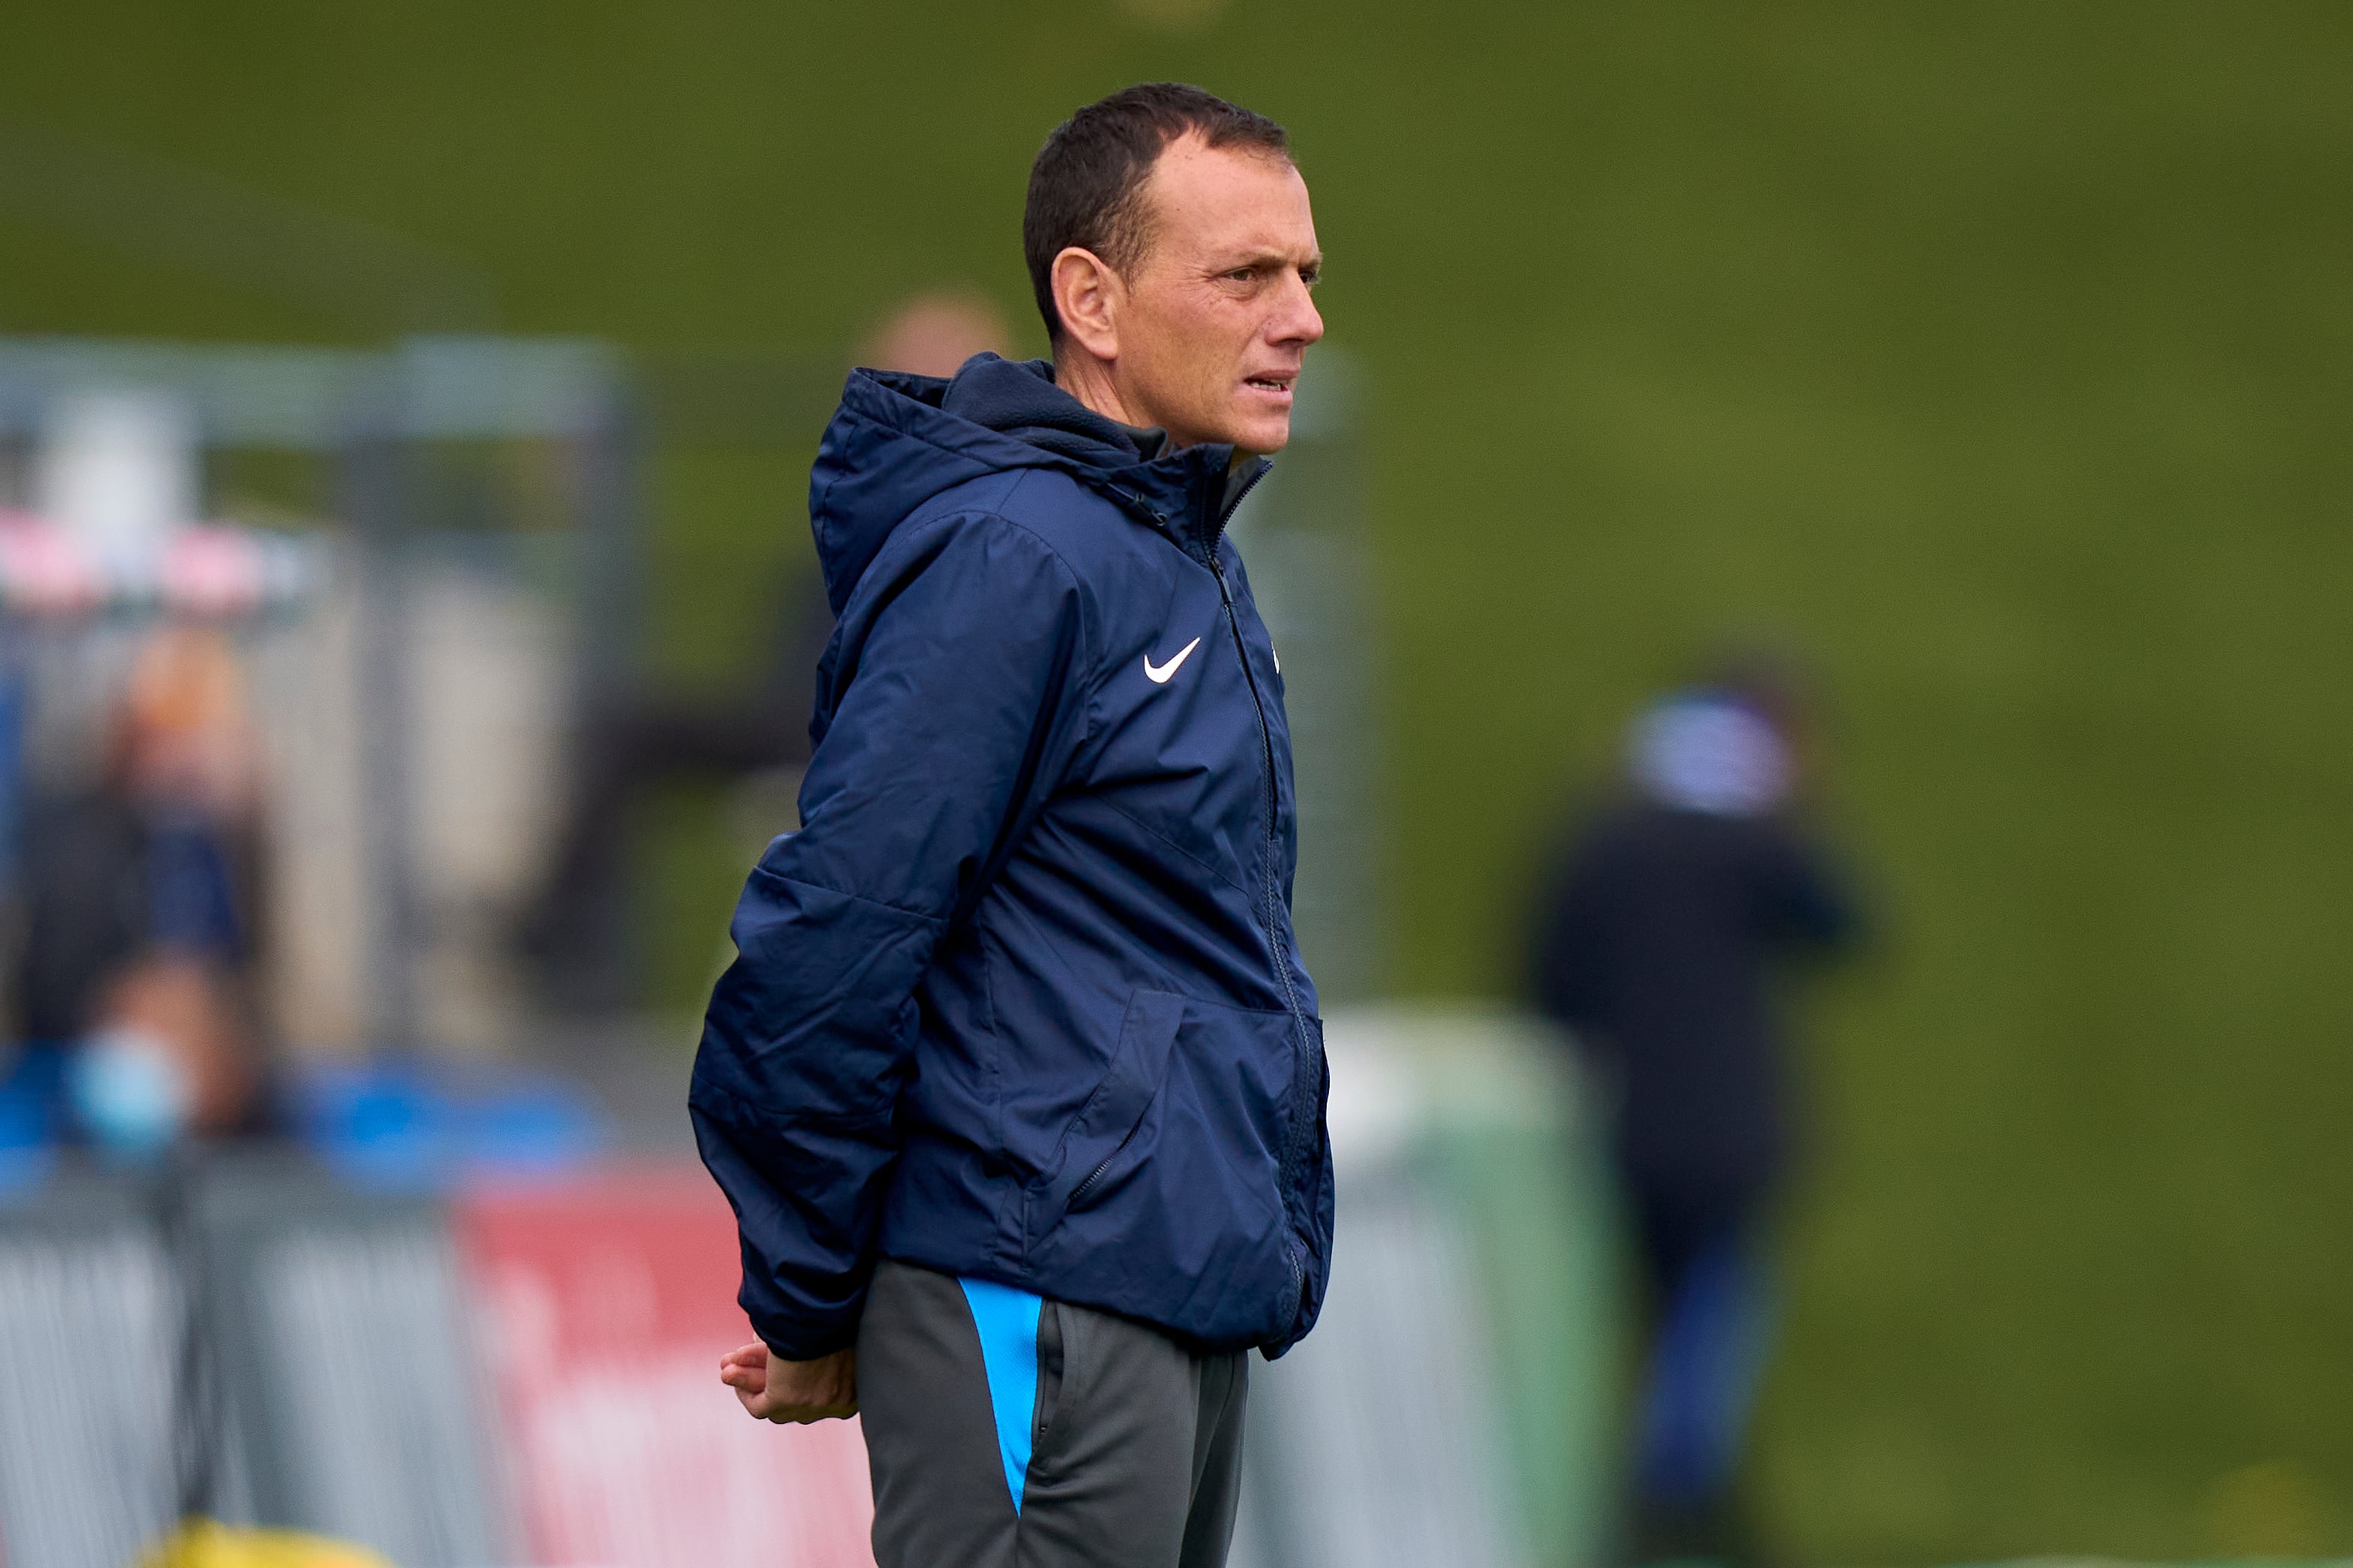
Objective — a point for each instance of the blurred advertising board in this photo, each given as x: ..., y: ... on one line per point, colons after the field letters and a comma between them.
x: 605, y: 1305
x: 525, y: 1372
x: 90, y: 1332
x: 507, y: 1374
x: 340, y: 1325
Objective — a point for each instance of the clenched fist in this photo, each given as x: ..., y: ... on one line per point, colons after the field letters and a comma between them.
x: 794, y: 1391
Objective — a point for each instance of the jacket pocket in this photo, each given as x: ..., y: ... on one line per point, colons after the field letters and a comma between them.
x: 1113, y: 1112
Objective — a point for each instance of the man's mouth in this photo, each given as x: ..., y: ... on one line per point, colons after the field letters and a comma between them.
x: 1269, y: 383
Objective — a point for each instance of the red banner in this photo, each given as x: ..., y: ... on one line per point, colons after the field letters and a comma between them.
x: 605, y: 1306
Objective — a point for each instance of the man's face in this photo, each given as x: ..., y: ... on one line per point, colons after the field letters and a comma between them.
x: 1218, y: 316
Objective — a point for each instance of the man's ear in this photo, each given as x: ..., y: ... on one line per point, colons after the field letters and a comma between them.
x: 1089, y: 294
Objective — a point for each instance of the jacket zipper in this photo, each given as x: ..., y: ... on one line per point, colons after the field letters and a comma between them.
x: 1096, y: 1174
x: 1301, y: 1124
x: 1302, y: 1053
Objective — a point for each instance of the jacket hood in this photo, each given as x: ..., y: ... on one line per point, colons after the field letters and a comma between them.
x: 1021, y: 398
x: 898, y: 440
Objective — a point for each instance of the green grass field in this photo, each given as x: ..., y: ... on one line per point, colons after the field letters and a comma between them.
x: 1999, y: 357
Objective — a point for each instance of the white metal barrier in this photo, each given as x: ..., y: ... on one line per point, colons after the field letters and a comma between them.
x: 1452, y: 1405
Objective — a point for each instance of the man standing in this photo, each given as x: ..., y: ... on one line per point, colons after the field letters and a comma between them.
x: 1658, y: 946
x: 1017, y: 1083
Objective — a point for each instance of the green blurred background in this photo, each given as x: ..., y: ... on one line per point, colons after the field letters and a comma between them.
x: 1996, y: 356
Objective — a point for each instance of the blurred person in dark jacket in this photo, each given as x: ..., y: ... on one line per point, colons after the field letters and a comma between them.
x: 653, y: 735
x: 1658, y: 946
x: 136, y: 982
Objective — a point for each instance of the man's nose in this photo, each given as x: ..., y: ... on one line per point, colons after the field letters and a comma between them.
x: 1295, y: 319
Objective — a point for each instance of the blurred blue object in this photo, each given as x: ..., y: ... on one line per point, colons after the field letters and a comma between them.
x: 28, y: 1143
x: 1710, y: 1353
x: 1709, y: 751
x: 192, y: 894
x: 381, y: 1127
x: 539, y: 1126
x: 129, y: 1094
x: 408, y: 1126
x: 13, y: 710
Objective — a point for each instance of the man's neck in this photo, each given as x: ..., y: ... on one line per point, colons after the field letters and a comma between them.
x: 1089, y: 380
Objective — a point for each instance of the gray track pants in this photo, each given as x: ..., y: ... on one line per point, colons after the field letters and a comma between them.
x: 1133, y: 1442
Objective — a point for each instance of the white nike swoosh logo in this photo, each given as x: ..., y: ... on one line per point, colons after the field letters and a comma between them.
x: 1159, y: 674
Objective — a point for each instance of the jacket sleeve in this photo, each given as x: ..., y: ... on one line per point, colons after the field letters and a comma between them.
x: 958, y: 685
x: 1565, y: 957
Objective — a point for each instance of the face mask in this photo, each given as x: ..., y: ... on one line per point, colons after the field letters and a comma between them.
x: 129, y: 1092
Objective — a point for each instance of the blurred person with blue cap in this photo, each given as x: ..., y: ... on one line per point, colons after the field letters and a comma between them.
x: 1657, y: 946
x: 1017, y: 1083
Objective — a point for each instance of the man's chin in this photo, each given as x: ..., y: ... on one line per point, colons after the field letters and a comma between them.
x: 1262, y: 434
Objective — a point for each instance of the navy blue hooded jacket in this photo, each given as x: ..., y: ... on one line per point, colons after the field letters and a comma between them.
x: 1020, y: 1000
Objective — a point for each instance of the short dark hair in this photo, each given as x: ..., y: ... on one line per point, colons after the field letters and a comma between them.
x: 1087, y: 186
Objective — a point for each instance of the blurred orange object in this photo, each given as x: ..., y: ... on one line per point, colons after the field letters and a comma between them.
x: 934, y: 333
x: 184, y: 729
